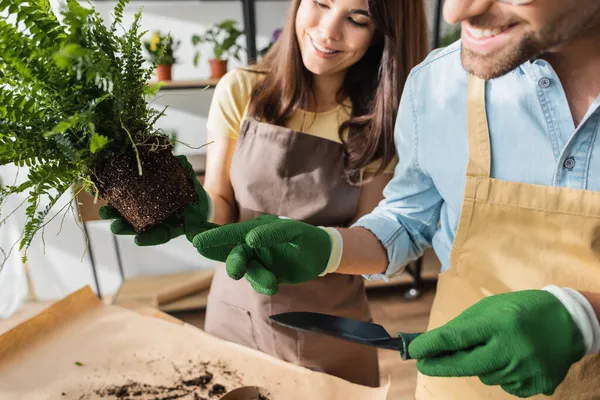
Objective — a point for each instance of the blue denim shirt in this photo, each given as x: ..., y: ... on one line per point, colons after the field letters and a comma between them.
x: 533, y: 140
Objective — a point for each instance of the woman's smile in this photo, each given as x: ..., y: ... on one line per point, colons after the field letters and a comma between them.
x: 322, y: 50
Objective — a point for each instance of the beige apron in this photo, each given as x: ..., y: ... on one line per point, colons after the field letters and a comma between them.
x: 514, y: 236
x: 279, y: 171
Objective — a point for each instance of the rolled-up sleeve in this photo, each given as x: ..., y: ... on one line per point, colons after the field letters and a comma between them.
x: 407, y: 218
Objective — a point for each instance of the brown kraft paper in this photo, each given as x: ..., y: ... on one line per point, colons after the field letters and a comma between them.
x: 81, y: 349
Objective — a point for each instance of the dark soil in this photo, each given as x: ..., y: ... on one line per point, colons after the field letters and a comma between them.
x: 145, y: 200
x: 201, y: 381
x: 217, y: 390
x: 193, y: 383
x: 133, y: 390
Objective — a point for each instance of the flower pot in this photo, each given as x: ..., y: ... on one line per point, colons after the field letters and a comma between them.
x: 218, y: 68
x: 148, y: 199
x: 164, y: 72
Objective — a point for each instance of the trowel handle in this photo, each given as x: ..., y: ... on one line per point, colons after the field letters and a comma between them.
x: 406, y: 339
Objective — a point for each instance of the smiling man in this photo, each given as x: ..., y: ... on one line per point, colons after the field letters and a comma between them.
x: 499, y: 148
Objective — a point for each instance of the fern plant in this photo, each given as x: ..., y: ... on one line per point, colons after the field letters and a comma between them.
x: 72, y: 93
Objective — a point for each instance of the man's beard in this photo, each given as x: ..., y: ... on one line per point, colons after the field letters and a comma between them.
x: 560, y: 31
x: 496, y: 65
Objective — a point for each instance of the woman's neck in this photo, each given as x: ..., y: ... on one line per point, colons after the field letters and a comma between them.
x: 325, y: 89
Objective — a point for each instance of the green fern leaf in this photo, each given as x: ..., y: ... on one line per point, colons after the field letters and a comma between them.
x: 97, y: 142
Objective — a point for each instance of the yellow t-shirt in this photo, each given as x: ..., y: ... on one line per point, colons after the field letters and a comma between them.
x: 229, y: 108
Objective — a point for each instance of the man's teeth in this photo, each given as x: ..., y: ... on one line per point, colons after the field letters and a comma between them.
x: 483, y: 33
x: 323, y: 49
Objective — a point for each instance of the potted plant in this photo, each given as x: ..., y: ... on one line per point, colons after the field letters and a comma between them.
x: 73, y: 110
x: 164, y: 47
x: 223, y: 37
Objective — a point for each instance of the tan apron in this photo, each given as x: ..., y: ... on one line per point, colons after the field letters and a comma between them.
x: 279, y: 171
x: 514, y: 236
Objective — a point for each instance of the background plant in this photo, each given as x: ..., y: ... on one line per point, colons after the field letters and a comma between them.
x: 72, y: 93
x: 450, y: 37
x: 274, y: 38
x: 223, y: 37
x: 161, y: 45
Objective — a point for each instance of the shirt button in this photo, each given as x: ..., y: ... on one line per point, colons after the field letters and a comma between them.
x: 569, y: 163
x: 544, y: 83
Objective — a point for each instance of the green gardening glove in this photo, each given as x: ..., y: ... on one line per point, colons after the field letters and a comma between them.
x: 523, y: 341
x: 189, y: 221
x: 268, y: 251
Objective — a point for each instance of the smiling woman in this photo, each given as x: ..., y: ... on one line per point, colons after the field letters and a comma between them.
x: 332, y: 48
x: 362, y: 48
x: 308, y: 134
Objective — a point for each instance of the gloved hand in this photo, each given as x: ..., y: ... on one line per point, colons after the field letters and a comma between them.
x: 190, y: 220
x: 268, y: 251
x: 523, y: 341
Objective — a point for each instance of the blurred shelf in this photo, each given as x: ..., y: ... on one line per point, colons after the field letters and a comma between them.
x: 181, y: 84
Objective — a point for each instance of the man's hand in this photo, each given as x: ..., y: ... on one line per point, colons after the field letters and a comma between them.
x: 523, y: 341
x: 189, y: 221
x: 268, y: 251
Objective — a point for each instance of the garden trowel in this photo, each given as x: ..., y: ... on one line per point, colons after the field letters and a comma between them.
x: 348, y: 329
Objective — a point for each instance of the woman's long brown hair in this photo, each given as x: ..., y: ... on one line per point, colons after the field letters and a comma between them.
x: 373, y: 85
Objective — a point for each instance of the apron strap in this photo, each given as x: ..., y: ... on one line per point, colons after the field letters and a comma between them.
x: 480, y: 159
